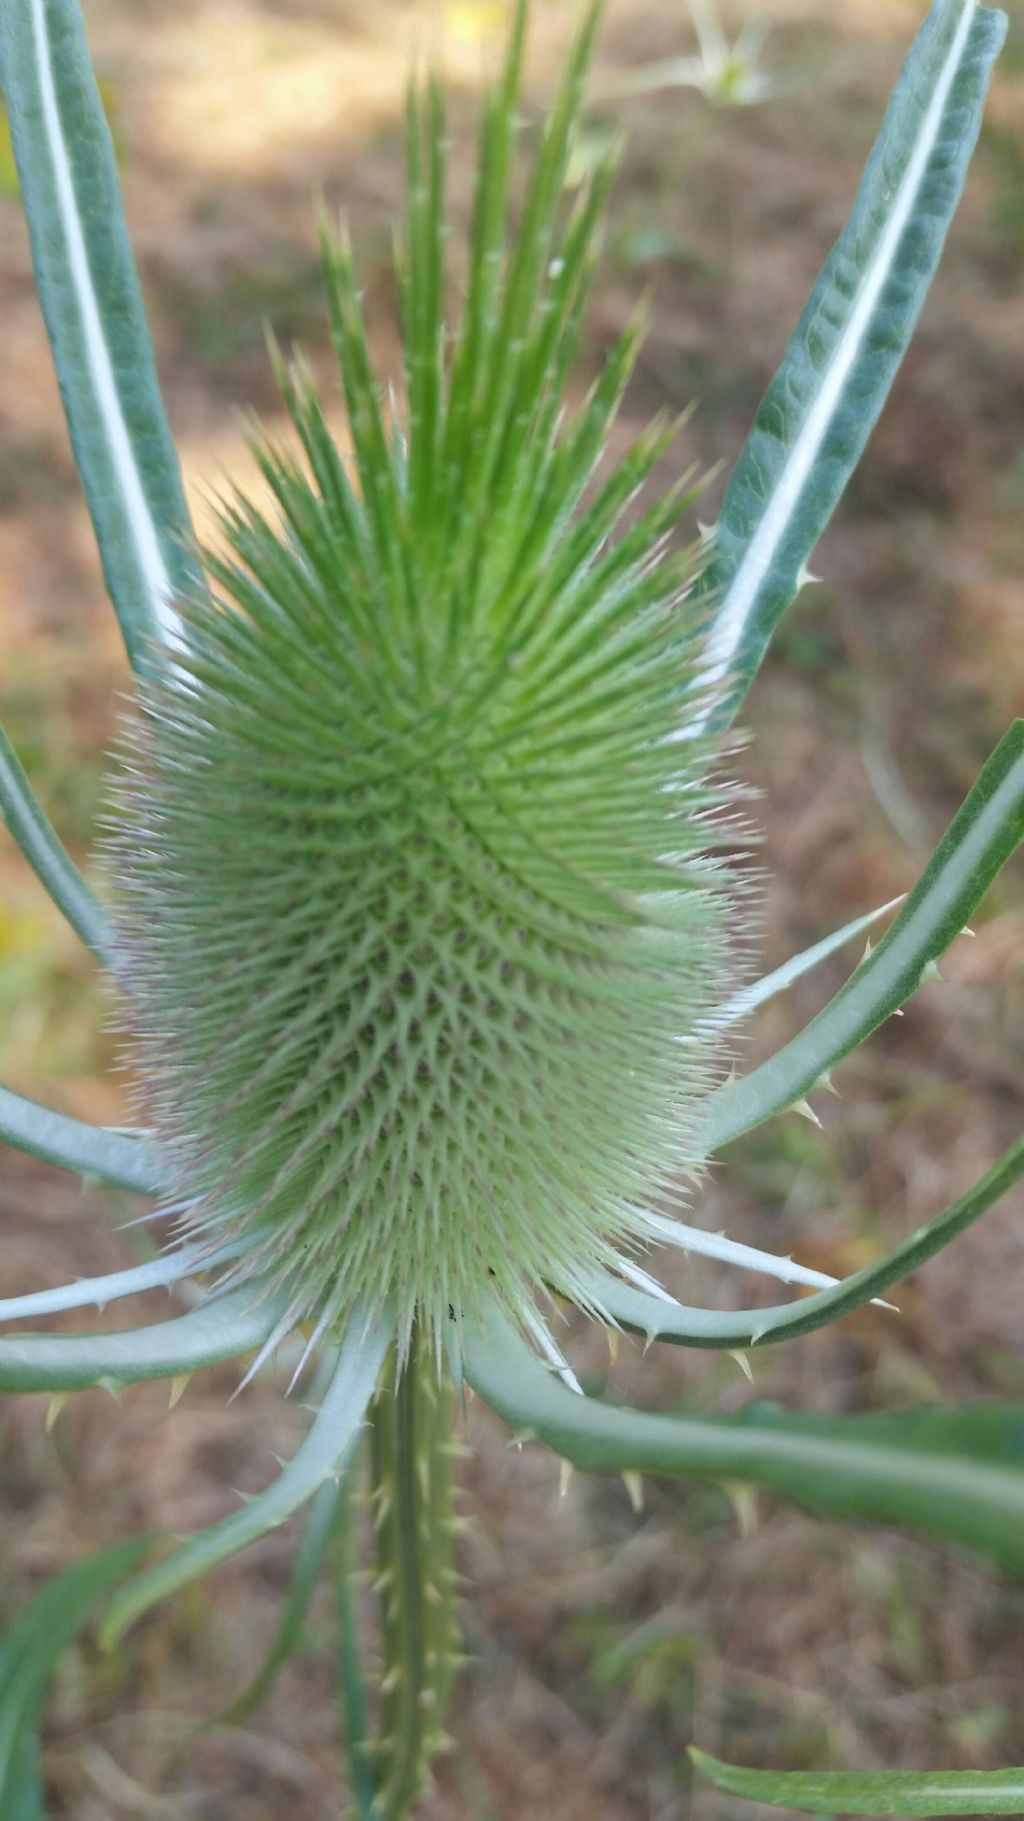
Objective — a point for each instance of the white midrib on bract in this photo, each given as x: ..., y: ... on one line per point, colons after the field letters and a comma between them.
x: 742, y: 594
x: 139, y: 518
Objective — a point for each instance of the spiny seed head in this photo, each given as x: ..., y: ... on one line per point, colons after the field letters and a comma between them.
x: 421, y: 926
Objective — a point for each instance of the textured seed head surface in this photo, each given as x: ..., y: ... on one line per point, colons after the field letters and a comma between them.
x: 418, y: 909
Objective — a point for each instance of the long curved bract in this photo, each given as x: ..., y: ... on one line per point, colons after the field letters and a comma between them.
x: 731, y: 1328
x: 984, y: 833
x: 168, y: 1268
x: 53, y: 867
x: 749, y: 998
x: 873, y: 1792
x: 954, y: 1475
x: 321, y: 1521
x: 89, y: 290
x: 94, y: 1152
x: 219, y: 1329
x: 319, y: 1458
x: 812, y: 425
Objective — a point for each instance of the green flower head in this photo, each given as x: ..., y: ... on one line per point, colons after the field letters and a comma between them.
x: 419, y: 909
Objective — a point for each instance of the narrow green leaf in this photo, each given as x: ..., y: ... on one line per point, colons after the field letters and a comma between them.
x: 23, y: 1795
x: 873, y: 1792
x: 89, y: 290
x: 819, y: 411
x: 90, y: 1150
x: 984, y: 833
x: 731, y: 1328
x: 319, y: 1458
x: 53, y: 867
x: 955, y: 1475
x: 221, y: 1329
x: 30, y: 1651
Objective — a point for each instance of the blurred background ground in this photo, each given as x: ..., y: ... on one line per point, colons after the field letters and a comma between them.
x: 604, y: 1639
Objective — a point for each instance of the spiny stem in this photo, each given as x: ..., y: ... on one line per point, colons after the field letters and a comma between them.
x: 353, y: 1688
x: 412, y: 1508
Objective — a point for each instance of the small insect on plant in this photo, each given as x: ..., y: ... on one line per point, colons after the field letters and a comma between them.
x: 420, y: 895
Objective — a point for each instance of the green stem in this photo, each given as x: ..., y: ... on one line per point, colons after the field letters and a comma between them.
x: 353, y: 1687
x: 411, y: 1451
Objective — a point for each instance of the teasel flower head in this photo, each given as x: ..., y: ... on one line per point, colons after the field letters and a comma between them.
x: 419, y: 912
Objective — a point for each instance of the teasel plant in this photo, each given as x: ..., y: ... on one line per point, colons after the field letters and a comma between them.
x: 423, y: 896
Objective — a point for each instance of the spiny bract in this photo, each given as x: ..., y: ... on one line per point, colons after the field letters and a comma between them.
x: 418, y: 912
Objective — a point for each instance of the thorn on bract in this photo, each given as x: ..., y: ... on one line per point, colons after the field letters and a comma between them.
x: 178, y: 1386
x: 54, y: 1408
x: 743, y: 1363
x: 743, y: 1499
x: 634, y: 1485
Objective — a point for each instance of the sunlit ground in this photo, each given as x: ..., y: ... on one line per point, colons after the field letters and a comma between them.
x: 604, y: 1639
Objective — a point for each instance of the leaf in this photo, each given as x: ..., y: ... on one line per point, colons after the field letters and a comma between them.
x: 956, y: 1475
x: 27, y: 1657
x: 221, y: 1328
x: 730, y: 1328
x: 984, y: 833
x: 52, y: 866
x: 89, y: 290
x: 24, y: 1792
x: 817, y: 415
x: 320, y: 1457
x: 874, y: 1792
x: 92, y: 1151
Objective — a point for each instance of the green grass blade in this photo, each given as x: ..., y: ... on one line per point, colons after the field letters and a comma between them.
x: 955, y: 1475
x: 89, y: 290
x: 732, y: 1328
x: 983, y: 834
x: 817, y: 415
x: 23, y: 1793
x: 89, y: 1150
x: 30, y: 1652
x: 872, y: 1792
x: 52, y: 865
x: 318, y: 1460
x: 222, y: 1329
